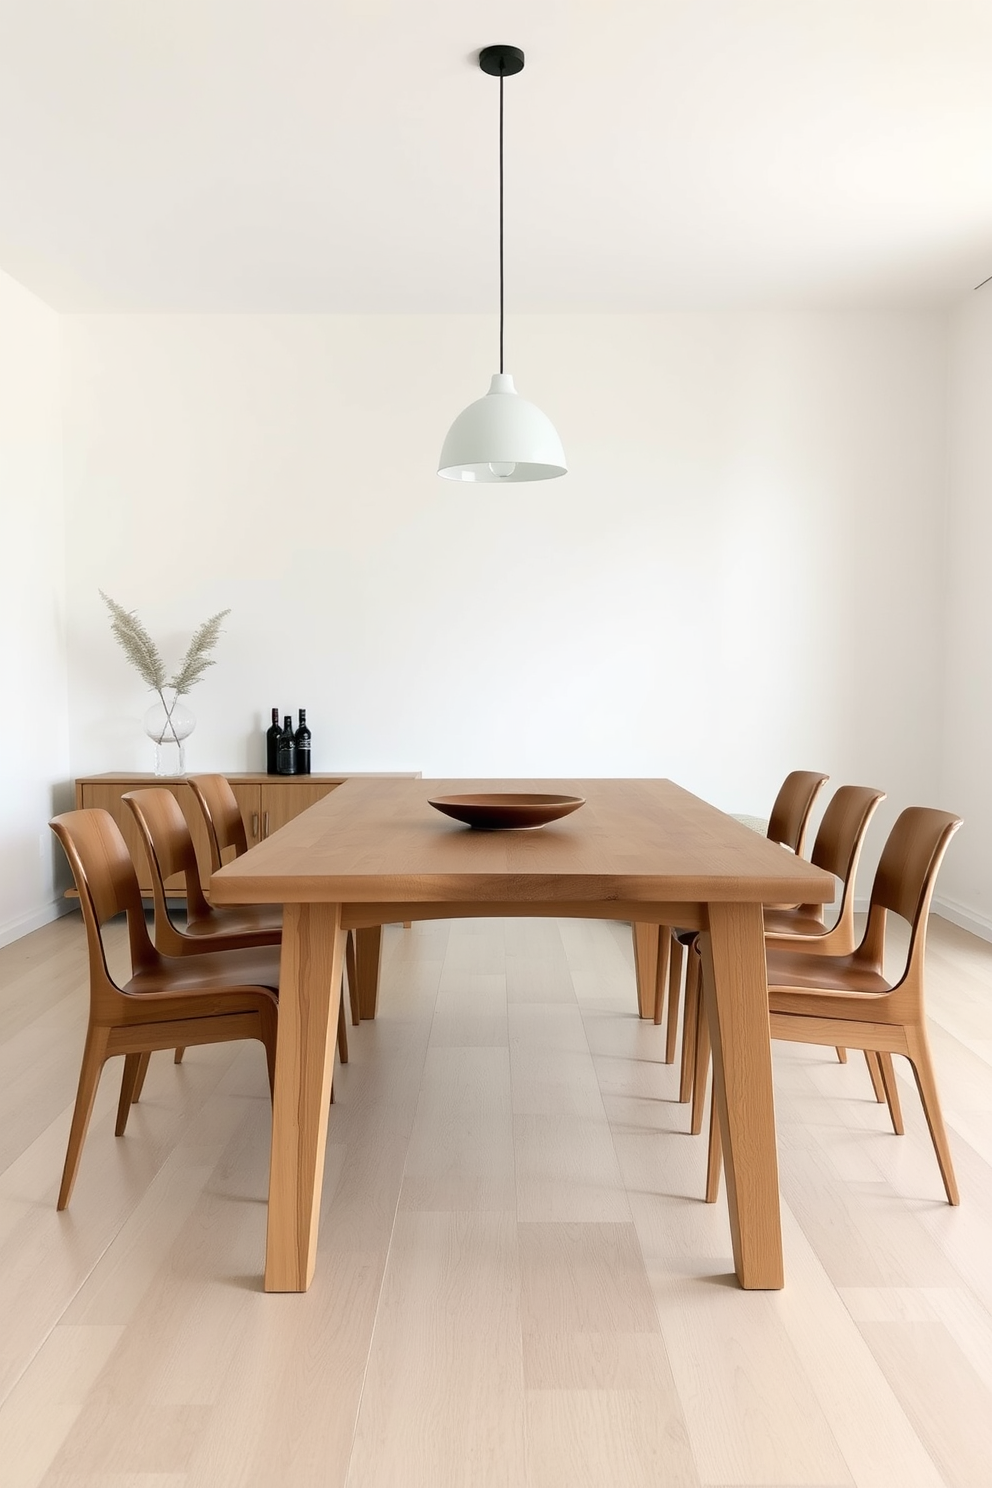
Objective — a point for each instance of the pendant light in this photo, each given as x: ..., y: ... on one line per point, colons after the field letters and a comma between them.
x: 502, y: 437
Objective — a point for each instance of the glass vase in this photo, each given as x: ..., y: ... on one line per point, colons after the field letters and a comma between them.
x: 169, y: 723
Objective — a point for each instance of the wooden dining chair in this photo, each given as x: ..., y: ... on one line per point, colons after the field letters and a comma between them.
x: 847, y: 999
x: 168, y: 844
x: 226, y: 830
x: 165, y: 836
x: 787, y: 825
x: 221, y: 815
x: 167, y: 1002
x: 837, y: 850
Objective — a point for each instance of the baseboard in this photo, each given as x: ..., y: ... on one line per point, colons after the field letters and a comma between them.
x: 967, y: 919
x: 14, y: 929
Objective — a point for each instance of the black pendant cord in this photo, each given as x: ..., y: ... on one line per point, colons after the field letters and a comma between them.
x: 501, y: 222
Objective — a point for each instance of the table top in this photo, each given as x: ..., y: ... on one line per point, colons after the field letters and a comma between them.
x: 640, y: 840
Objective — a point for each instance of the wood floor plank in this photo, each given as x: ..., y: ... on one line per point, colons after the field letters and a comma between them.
x: 588, y: 1438
x: 444, y: 1396
x: 948, y: 1404
x: 583, y: 1278
x: 566, y: 1170
x: 43, y: 1405
x: 460, y: 1155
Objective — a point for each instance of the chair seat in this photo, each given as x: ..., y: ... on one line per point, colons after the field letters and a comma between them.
x: 253, y: 968
x: 820, y: 974
x: 262, y: 920
x: 793, y: 922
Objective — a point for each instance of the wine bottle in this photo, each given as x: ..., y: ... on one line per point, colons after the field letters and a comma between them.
x: 272, y: 736
x: 302, y: 738
x: 286, y: 754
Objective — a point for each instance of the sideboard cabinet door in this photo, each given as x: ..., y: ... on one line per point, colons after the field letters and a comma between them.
x: 287, y: 798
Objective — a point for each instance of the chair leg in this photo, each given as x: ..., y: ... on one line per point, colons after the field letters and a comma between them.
x: 129, y: 1081
x: 841, y: 1056
x: 891, y: 1091
x: 700, y: 1069
x: 268, y: 1026
x: 690, y: 1023
x: 139, y: 1084
x: 674, y: 999
x: 926, y: 1084
x: 351, y: 967
x: 714, y: 1155
x: 874, y: 1070
x: 661, y: 972
x: 342, y: 1028
x: 179, y: 1056
x: 94, y: 1056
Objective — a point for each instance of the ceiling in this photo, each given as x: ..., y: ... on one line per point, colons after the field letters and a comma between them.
x: 340, y: 155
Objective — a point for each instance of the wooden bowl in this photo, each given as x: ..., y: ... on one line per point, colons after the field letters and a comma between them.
x: 507, y: 809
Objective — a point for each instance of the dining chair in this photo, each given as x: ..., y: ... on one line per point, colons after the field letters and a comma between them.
x: 847, y: 999
x: 221, y: 815
x: 837, y: 850
x: 168, y: 844
x: 226, y: 829
x: 787, y: 825
x: 167, y: 1002
x: 165, y: 836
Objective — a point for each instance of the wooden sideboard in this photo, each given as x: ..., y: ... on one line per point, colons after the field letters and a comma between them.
x: 267, y: 803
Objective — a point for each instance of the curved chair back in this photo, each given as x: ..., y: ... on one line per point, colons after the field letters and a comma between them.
x: 791, y: 809
x: 842, y: 831
x: 168, y: 845
x: 108, y: 886
x: 904, y: 883
x: 837, y: 850
x: 221, y: 814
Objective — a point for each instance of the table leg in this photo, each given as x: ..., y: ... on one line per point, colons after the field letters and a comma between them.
x: 735, y: 997
x: 646, y: 950
x: 368, y: 950
x: 309, y: 994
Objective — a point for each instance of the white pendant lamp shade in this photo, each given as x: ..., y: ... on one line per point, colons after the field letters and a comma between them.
x: 502, y: 437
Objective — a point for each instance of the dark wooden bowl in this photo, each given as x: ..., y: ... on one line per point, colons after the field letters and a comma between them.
x: 507, y: 809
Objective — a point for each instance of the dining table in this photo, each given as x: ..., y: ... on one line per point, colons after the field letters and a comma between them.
x: 646, y: 852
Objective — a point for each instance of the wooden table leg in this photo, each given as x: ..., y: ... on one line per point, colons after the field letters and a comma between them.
x: 646, y: 947
x: 368, y: 950
x: 309, y: 994
x: 735, y: 998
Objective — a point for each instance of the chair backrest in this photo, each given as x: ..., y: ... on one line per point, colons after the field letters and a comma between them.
x: 221, y: 814
x: 842, y: 831
x: 791, y: 809
x: 108, y: 886
x: 165, y: 836
x: 904, y: 885
x: 837, y: 849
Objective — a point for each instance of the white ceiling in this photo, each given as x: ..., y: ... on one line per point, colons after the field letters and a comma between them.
x: 340, y: 155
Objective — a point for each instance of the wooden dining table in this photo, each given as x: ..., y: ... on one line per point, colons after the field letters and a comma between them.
x: 648, y: 852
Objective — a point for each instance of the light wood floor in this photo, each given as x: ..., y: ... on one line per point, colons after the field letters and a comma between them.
x: 517, y: 1283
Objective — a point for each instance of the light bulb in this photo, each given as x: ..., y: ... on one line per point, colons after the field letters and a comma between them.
x: 502, y: 468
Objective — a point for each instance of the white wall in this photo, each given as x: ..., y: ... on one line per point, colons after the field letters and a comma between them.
x: 966, y: 776
x: 34, y: 748
x: 737, y: 577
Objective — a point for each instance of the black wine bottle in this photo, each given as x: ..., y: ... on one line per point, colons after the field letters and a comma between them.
x: 272, y: 736
x: 302, y: 738
x: 286, y: 754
